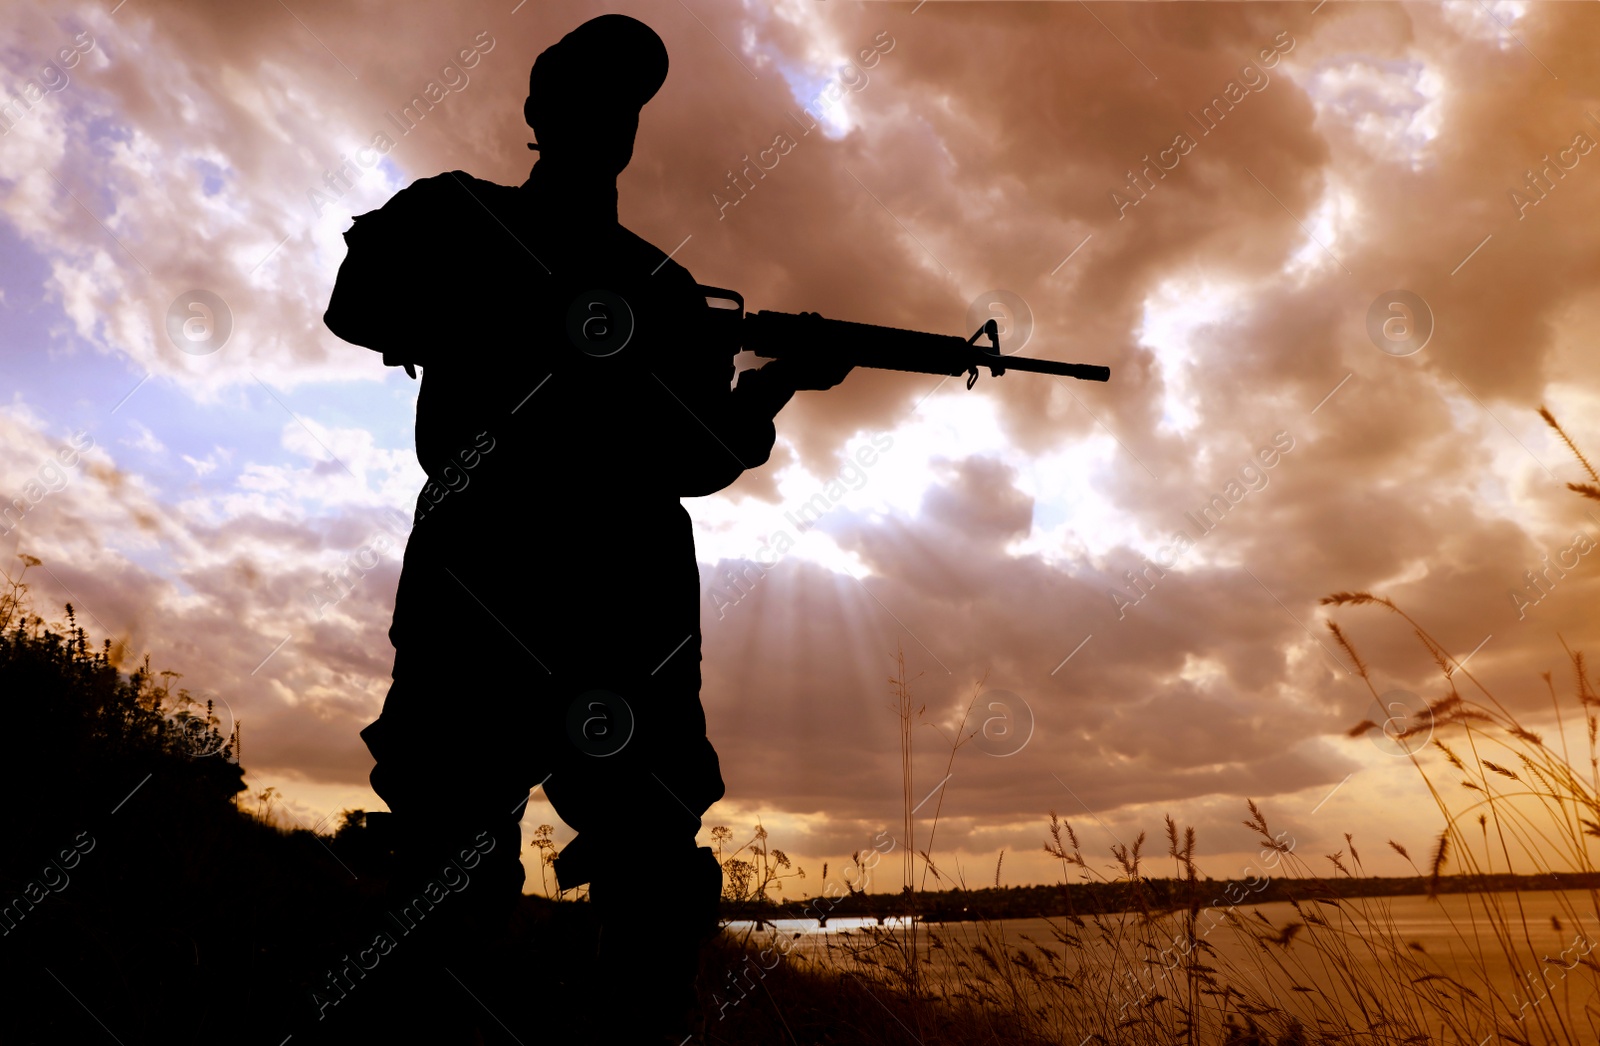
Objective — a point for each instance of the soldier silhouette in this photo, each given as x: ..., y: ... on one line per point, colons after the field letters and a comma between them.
x: 546, y: 627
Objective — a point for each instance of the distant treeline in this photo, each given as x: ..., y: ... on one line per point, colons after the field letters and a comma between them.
x: 1155, y: 895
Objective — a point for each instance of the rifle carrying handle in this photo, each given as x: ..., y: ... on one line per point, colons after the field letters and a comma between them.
x: 723, y: 298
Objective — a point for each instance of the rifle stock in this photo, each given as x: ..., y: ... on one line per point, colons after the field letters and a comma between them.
x: 776, y: 335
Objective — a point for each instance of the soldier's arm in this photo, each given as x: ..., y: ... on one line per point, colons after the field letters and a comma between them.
x: 733, y: 428
x: 388, y: 295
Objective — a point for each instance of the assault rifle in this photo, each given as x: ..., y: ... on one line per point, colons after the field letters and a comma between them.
x: 775, y: 335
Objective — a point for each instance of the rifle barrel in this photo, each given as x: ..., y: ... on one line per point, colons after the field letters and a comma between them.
x: 777, y: 334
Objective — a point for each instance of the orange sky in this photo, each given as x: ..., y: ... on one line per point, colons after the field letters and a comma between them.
x: 962, y: 149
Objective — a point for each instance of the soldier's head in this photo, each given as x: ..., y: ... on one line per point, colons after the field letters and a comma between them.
x: 586, y: 90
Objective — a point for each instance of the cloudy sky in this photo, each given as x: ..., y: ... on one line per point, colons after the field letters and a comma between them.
x: 1334, y: 255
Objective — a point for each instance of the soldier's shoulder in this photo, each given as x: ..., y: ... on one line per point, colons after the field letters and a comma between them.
x: 655, y: 260
x: 444, y: 194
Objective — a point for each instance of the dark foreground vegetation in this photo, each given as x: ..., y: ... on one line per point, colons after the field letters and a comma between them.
x: 147, y: 898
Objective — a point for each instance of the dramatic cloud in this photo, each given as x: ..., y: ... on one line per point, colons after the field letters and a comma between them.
x: 1220, y: 203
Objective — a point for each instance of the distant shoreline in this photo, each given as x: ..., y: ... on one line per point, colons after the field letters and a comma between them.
x: 1157, y: 895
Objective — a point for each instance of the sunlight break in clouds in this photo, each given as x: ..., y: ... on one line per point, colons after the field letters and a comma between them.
x: 221, y: 149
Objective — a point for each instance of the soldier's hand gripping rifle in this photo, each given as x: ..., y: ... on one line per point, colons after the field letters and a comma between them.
x: 780, y: 335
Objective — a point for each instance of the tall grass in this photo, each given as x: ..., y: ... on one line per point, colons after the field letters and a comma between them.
x: 1202, y: 964
x: 1208, y: 966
